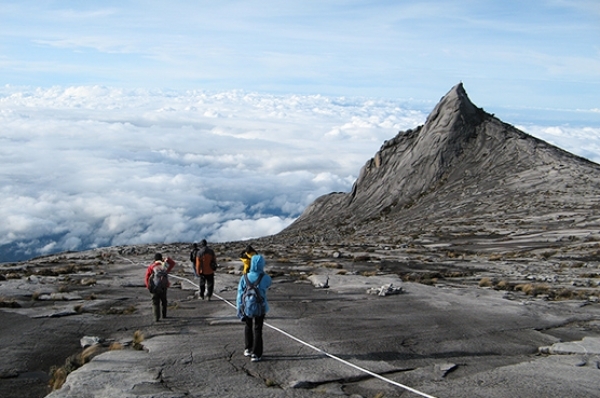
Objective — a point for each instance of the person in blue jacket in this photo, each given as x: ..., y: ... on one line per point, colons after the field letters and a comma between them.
x: 253, y: 339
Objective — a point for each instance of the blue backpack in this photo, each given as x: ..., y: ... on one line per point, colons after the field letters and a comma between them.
x: 253, y: 304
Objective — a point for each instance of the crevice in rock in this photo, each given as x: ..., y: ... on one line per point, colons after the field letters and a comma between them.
x: 305, y: 384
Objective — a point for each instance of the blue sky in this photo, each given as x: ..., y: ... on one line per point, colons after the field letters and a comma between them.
x: 511, y: 53
x: 126, y: 122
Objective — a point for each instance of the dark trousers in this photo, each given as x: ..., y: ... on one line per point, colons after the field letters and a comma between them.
x: 157, y: 300
x: 253, y: 339
x: 207, y: 282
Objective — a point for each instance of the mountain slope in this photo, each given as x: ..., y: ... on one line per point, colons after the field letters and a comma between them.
x: 463, y: 171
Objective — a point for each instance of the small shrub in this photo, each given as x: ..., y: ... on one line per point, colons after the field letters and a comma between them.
x: 68, y: 269
x: 429, y: 281
x: 369, y: 273
x: 540, y: 289
x: 525, y: 288
x: 452, y: 254
x: 89, y: 352
x: 590, y: 275
x: 565, y: 294
x: 485, y: 282
x: 115, y: 346
x: 546, y: 255
x: 270, y: 383
x: 88, y: 281
x: 58, y: 376
x: 138, y: 338
x: 533, y: 290
x: 9, y: 303
x: 502, y: 285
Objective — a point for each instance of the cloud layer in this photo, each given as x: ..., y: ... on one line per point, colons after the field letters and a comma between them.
x: 93, y: 166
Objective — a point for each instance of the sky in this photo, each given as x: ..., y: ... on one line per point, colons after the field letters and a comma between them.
x: 129, y: 122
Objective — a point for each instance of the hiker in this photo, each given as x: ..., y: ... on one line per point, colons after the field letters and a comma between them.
x: 193, y: 255
x: 157, y: 282
x: 206, y: 265
x: 253, y: 339
x: 246, y: 256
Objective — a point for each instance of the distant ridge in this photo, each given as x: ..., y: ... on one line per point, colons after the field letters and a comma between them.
x: 463, y: 172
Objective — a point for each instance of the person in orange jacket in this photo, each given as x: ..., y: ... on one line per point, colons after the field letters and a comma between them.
x: 159, y: 296
x: 206, y: 265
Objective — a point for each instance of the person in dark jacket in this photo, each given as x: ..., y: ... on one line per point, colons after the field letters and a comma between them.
x: 206, y: 265
x: 193, y: 255
x: 159, y: 298
x: 253, y: 338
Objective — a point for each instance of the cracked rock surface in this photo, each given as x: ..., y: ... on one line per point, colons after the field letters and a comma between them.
x: 452, y: 338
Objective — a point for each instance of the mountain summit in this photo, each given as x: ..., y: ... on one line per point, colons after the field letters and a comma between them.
x: 463, y: 172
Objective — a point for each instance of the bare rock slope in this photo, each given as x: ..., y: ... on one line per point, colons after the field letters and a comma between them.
x: 463, y: 172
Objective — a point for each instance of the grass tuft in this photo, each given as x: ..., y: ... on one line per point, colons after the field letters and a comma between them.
x: 485, y: 282
x: 270, y: 383
x: 89, y: 352
x: 115, y: 346
x: 502, y: 285
x: 9, y: 303
x: 138, y: 338
x: 58, y: 374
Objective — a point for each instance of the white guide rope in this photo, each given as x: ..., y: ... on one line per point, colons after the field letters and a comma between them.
x: 385, y: 379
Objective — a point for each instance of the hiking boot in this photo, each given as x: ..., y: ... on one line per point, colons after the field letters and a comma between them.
x: 255, y: 358
x: 247, y: 353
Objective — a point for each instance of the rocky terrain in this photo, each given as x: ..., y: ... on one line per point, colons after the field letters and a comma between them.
x: 464, y: 263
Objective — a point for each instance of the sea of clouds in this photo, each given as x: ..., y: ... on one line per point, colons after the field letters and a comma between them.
x: 86, y: 167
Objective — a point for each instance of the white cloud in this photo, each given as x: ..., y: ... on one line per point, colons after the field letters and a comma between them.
x: 582, y: 141
x: 233, y: 230
x: 95, y: 166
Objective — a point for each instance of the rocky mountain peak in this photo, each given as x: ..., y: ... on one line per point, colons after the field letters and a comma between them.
x: 453, y: 107
x: 462, y: 165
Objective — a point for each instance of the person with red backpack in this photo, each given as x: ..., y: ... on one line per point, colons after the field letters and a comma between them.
x: 157, y: 282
